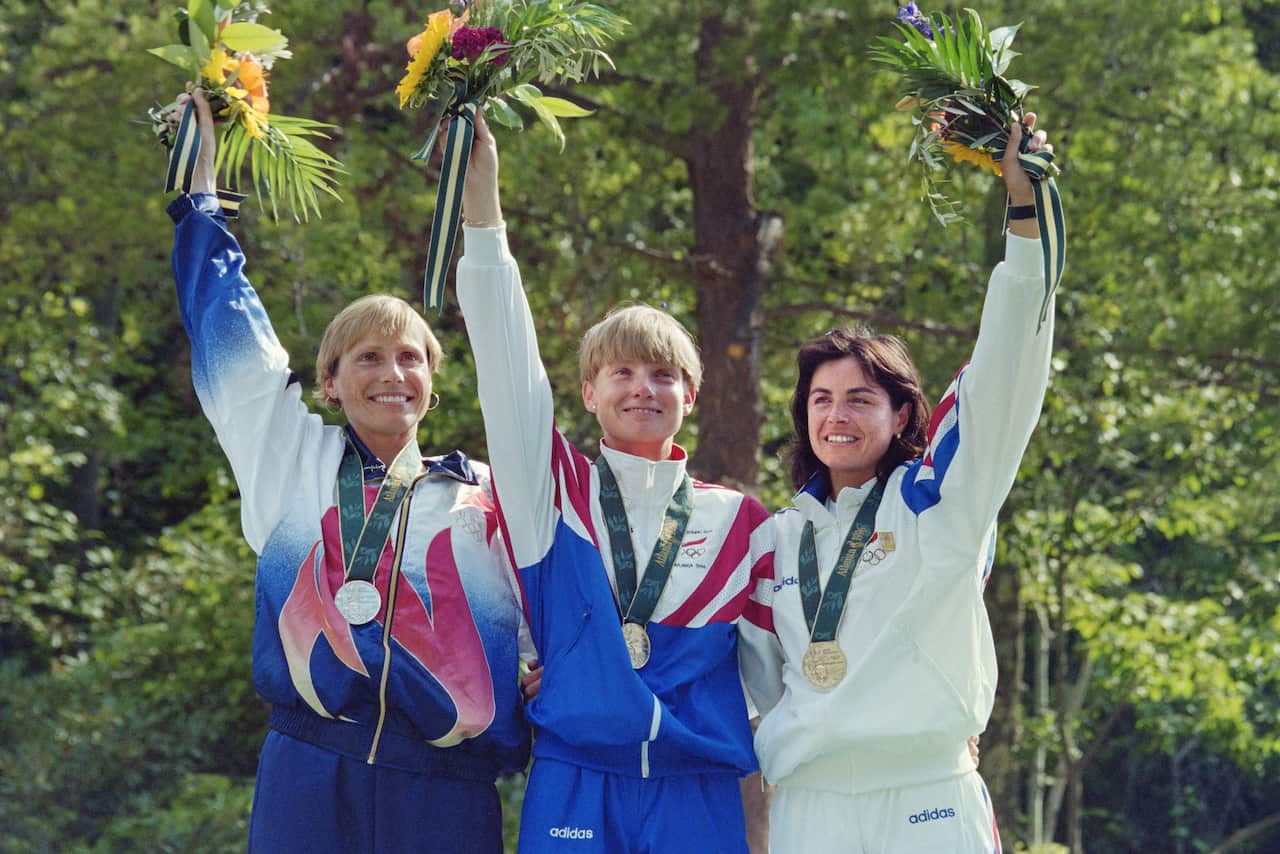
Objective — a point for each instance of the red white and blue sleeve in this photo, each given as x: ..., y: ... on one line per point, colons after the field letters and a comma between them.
x: 759, y: 650
x: 981, y: 427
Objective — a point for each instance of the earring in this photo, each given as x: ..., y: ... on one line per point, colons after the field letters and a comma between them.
x: 435, y: 401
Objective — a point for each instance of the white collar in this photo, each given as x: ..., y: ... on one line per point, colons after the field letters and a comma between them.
x: 841, y: 509
x: 640, y: 478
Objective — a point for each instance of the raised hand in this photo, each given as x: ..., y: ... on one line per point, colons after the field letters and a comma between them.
x: 1015, y: 178
x: 202, y: 178
x: 480, y: 201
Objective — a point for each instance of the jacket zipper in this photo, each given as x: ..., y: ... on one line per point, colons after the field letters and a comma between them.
x: 386, y: 624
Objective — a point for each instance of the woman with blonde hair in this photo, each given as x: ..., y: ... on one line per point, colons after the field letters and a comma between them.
x: 386, y: 632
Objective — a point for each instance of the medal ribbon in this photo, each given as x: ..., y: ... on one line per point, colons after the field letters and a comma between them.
x: 363, y: 538
x: 182, y: 163
x: 1053, y: 232
x: 453, y: 172
x: 640, y: 602
x: 823, y: 617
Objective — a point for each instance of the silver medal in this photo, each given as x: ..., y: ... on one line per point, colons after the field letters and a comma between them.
x: 358, y: 602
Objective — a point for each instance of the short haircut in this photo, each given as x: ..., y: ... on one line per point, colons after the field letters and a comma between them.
x: 886, y: 361
x: 640, y: 333
x: 377, y: 314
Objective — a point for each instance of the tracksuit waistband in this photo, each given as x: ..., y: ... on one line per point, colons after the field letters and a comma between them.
x: 850, y: 772
x: 394, y: 750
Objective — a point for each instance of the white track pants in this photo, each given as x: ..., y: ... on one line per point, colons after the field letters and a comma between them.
x: 952, y: 816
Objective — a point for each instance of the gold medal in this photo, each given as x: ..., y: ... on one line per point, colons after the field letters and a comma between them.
x: 358, y: 602
x: 823, y: 665
x: 637, y: 640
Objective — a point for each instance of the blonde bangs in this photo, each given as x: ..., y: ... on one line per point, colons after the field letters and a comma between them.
x: 639, y: 333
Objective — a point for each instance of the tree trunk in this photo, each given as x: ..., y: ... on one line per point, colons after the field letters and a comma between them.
x: 1036, y: 782
x: 1004, y: 730
x: 733, y: 245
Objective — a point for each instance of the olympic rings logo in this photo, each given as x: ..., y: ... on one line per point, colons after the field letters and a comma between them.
x: 872, y: 557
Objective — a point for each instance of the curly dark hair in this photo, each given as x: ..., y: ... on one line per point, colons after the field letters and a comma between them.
x: 883, y: 358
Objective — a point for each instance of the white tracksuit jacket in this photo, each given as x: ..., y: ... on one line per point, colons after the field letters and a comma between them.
x: 921, y: 672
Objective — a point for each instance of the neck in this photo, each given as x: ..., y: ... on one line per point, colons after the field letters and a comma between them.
x: 386, y: 446
x: 855, y: 479
x: 656, y: 451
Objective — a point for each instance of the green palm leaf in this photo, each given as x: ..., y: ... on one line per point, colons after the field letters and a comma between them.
x: 285, y: 166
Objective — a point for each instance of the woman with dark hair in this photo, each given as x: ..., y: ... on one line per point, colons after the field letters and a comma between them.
x: 884, y: 358
x: 881, y: 662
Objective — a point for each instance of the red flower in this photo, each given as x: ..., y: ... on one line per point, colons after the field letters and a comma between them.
x: 470, y: 42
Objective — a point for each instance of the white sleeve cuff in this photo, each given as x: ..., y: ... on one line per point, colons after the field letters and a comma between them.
x: 1024, y: 254
x: 486, y: 247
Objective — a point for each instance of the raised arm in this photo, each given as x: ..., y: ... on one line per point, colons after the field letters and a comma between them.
x: 531, y: 464
x: 238, y: 367
x: 982, y: 425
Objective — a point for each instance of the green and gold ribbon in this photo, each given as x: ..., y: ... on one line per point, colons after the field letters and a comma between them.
x: 365, y: 536
x: 823, y: 609
x: 453, y: 173
x: 637, y: 600
x: 1053, y: 233
x: 183, y: 153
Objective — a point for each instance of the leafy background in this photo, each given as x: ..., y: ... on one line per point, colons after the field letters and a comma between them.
x: 1137, y: 587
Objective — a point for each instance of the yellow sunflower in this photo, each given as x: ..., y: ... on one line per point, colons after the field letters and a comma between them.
x: 961, y: 153
x: 423, y: 48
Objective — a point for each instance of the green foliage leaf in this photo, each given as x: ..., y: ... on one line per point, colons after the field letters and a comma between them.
x: 500, y: 111
x: 1001, y: 42
x: 254, y: 38
x: 561, y: 108
x: 201, y: 49
x: 177, y: 54
x: 201, y: 12
x: 530, y: 96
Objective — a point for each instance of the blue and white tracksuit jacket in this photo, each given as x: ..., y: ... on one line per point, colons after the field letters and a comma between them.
x: 921, y: 672
x: 435, y: 672
x: 683, y: 712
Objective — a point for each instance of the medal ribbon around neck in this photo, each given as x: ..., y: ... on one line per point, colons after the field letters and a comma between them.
x: 363, y: 538
x: 637, y: 604
x: 824, y: 608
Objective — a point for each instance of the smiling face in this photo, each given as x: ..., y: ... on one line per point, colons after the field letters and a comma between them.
x: 640, y: 406
x: 851, y: 421
x: 383, y: 384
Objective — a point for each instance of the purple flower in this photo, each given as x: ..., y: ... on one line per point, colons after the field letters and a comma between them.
x: 911, y: 14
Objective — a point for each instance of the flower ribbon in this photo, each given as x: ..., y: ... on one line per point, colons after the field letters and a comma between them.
x: 182, y: 163
x: 1053, y: 234
x: 453, y: 172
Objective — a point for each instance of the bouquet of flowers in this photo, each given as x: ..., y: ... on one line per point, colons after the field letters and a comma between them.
x: 229, y: 55
x: 962, y: 108
x: 486, y: 55
x: 960, y: 101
